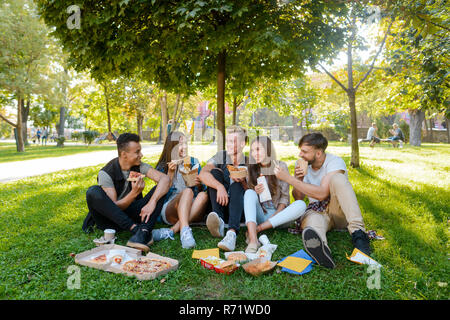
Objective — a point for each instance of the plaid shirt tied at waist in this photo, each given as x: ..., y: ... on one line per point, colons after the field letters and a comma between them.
x: 318, y: 206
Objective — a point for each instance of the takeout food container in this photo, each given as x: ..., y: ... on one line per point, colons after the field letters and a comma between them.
x: 259, y: 266
x: 238, y: 172
x: 210, y: 262
x: 214, y: 263
x: 112, y: 250
x: 229, y: 270
x: 189, y: 174
x: 189, y: 178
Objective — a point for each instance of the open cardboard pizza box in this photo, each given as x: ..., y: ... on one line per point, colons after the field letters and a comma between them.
x: 111, y: 250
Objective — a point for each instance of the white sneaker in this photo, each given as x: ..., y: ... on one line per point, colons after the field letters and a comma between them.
x: 215, y: 225
x: 229, y: 242
x: 187, y: 238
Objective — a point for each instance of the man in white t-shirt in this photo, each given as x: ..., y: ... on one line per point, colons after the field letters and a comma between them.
x: 372, y: 135
x: 332, y: 201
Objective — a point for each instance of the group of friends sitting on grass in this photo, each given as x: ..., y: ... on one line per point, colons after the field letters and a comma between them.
x: 224, y: 202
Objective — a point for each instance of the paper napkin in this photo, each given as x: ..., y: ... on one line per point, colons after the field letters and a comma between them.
x: 361, y: 258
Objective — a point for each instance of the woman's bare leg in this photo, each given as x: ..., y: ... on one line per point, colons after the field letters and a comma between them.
x: 252, y: 233
x: 184, y: 208
x: 264, y: 226
x: 199, y: 207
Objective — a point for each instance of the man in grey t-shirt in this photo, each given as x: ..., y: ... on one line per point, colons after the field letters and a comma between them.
x: 118, y: 203
x: 332, y: 201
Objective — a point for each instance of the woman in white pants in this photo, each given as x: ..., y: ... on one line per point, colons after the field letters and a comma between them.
x: 275, y: 212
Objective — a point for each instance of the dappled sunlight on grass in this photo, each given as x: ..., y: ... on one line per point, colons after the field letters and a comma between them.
x: 9, y: 153
x: 404, y: 195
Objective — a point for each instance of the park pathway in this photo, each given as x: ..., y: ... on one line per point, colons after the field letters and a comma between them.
x: 11, y: 171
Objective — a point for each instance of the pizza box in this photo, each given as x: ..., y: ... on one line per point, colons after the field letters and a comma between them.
x: 85, y: 259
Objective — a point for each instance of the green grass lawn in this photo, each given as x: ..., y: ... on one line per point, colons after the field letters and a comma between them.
x: 403, y: 194
x: 8, y: 151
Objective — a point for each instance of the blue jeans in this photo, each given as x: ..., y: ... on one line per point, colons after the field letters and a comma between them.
x: 255, y: 213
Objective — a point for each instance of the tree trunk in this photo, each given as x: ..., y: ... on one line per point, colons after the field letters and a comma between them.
x: 354, y: 162
x: 62, y: 120
x: 25, y: 113
x: 431, y: 129
x: 234, y: 109
x: 415, y: 127
x: 177, y: 120
x: 175, y: 111
x: 19, y: 138
x: 107, y: 107
x: 448, y: 130
x: 164, y: 116
x: 62, y: 114
x: 221, y: 101
x: 351, y: 93
x: 140, y: 121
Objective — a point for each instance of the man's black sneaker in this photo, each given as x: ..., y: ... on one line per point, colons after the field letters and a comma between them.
x: 141, y: 239
x: 361, y: 241
x: 316, y: 248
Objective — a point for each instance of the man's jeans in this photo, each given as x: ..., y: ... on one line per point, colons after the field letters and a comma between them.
x: 107, y: 215
x: 234, y: 211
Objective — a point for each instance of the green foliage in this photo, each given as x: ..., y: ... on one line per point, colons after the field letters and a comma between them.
x: 178, y: 46
x: 89, y: 136
x: 60, y: 141
x: 418, y: 55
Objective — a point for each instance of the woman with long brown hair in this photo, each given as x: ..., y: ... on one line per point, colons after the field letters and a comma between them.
x: 183, y: 204
x: 266, y: 208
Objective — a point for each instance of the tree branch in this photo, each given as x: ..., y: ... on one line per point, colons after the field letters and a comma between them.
x: 332, y: 77
x: 8, y: 121
x: 433, y: 23
x: 376, y: 56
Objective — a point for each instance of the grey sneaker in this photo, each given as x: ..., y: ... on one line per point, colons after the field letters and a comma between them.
x: 317, y: 248
x: 187, y: 239
x: 215, y: 225
x: 229, y: 242
x: 162, y: 234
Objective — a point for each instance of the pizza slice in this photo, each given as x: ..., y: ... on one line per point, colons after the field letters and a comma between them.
x: 135, y: 175
x: 99, y: 259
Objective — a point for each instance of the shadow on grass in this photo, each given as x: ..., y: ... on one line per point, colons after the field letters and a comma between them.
x: 438, y: 207
x: 404, y: 229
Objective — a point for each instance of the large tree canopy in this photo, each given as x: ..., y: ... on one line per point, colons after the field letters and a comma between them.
x: 418, y: 55
x: 187, y: 45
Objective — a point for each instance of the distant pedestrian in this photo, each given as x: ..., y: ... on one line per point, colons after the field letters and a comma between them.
x: 38, y: 135
x: 44, y: 136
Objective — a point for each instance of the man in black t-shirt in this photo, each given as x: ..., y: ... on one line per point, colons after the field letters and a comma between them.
x: 226, y: 194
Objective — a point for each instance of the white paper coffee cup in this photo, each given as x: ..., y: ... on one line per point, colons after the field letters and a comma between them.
x: 109, y: 234
x: 263, y: 239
